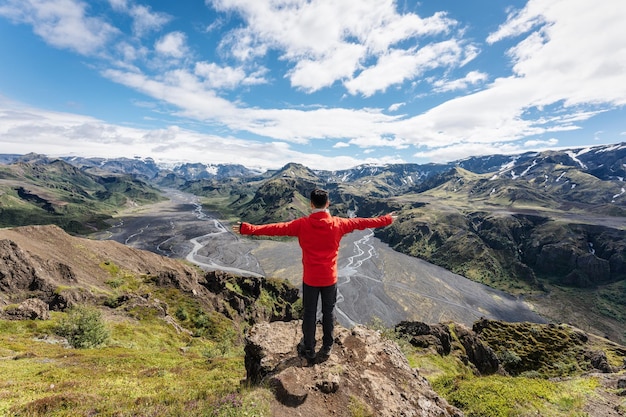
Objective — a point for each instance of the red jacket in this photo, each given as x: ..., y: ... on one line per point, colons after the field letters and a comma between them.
x: 319, y: 235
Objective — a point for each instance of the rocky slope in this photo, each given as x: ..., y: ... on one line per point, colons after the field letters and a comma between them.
x: 45, y: 263
x: 370, y: 373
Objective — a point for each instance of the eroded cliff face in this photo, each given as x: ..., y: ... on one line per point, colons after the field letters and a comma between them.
x: 514, y: 247
x: 364, y: 371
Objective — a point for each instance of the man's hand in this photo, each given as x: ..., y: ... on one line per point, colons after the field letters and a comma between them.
x: 237, y: 228
x: 393, y: 215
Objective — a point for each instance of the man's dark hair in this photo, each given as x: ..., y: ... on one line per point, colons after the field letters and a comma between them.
x: 319, y: 198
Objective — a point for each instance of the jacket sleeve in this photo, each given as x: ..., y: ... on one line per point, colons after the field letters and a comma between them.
x: 273, y: 229
x: 361, y: 223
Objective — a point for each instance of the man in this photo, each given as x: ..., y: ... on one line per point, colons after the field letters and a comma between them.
x: 319, y: 235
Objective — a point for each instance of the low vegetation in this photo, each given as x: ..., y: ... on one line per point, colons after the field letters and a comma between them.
x: 122, y: 366
x: 83, y: 327
x: 545, y: 373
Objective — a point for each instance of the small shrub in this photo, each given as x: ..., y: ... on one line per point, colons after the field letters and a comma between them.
x: 113, y: 301
x: 509, y: 359
x: 115, y: 283
x: 181, y: 313
x: 83, y: 327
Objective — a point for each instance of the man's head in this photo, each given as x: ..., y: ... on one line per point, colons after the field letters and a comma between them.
x: 319, y: 198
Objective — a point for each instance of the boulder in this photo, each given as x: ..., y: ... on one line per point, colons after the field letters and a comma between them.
x: 31, y: 309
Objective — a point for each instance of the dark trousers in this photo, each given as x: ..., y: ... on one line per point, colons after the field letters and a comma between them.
x: 310, y: 295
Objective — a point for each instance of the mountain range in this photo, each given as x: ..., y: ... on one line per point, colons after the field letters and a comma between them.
x: 531, y: 224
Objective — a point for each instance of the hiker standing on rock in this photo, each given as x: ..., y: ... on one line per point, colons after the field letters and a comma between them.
x: 319, y: 235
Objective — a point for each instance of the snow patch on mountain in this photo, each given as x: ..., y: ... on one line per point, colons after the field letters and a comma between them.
x: 575, y: 156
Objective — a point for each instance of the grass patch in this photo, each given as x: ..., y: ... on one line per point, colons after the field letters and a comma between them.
x: 532, y: 393
x: 147, y: 368
x: 498, y: 396
x: 611, y: 301
x: 503, y: 396
x: 358, y: 408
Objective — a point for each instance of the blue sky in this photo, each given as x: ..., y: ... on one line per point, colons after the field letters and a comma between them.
x: 329, y: 84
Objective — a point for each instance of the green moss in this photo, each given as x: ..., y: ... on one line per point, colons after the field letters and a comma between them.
x: 611, y: 301
x: 498, y: 396
x: 111, y: 268
x: 550, y: 350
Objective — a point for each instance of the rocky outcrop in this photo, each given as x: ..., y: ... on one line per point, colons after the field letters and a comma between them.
x: 419, y: 334
x: 17, y: 271
x: 244, y: 294
x: 364, y: 372
x: 31, y: 309
x: 494, y: 346
x: 575, y: 267
x: 439, y: 338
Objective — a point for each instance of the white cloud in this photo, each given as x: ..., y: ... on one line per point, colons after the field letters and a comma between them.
x: 62, y: 23
x: 534, y: 144
x: 315, y: 74
x: 577, y: 56
x: 242, y: 45
x: 119, y: 5
x: 340, y: 145
x: 218, y: 77
x: 129, y: 55
x: 144, y: 19
x: 399, y: 65
x: 329, y: 41
x: 518, y: 22
x: 395, y: 107
x: 172, y: 45
x: 186, y: 91
x: 470, y: 79
x: 375, y: 141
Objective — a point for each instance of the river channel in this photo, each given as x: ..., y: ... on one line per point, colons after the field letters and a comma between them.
x: 375, y: 282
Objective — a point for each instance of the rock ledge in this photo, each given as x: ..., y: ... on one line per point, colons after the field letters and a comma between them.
x: 364, y: 371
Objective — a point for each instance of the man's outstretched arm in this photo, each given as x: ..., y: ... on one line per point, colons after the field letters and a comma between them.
x: 272, y: 229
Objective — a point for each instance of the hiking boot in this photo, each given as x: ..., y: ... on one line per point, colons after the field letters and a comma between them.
x: 308, y: 354
x: 325, y: 351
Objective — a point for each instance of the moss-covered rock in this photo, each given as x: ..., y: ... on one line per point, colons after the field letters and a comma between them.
x: 517, y: 349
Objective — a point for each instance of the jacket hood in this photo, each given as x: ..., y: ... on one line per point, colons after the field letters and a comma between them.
x: 320, y: 219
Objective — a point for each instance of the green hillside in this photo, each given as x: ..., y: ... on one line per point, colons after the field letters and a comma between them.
x: 55, y: 192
